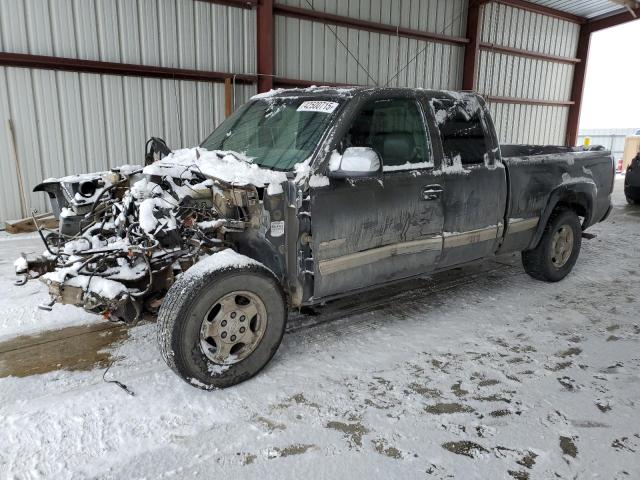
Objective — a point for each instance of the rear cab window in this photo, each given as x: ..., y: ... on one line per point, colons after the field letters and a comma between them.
x: 462, y: 132
x: 395, y: 129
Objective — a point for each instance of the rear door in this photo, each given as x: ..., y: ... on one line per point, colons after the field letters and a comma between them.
x: 370, y: 231
x: 474, y: 181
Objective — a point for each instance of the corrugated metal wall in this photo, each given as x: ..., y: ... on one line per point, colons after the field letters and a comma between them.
x: 310, y: 51
x: 506, y: 75
x: 66, y: 122
x: 69, y: 122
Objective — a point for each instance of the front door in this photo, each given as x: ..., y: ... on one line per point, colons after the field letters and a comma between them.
x: 370, y: 231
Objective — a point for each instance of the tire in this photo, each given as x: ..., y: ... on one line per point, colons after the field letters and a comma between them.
x: 181, y: 321
x: 543, y: 263
x: 631, y: 201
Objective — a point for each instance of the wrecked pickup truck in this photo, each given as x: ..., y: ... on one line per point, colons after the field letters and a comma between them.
x: 303, y: 196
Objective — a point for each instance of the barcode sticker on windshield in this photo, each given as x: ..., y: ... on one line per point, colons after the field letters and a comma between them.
x: 277, y: 228
x: 317, y: 106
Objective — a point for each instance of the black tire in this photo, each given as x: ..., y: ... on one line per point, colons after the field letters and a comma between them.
x: 186, y: 305
x: 539, y: 262
x: 631, y: 201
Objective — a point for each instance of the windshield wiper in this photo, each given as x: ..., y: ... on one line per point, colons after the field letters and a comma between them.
x: 232, y: 153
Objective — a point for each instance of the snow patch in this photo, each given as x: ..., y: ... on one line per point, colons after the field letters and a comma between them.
x: 406, y: 166
x: 222, y: 260
x: 230, y: 167
x: 274, y: 189
x: 318, y: 181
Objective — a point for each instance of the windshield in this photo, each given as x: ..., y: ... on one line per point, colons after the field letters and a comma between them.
x: 276, y: 133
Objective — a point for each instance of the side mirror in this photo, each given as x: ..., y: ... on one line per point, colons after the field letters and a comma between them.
x: 355, y: 162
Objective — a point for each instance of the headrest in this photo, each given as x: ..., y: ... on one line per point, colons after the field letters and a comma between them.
x: 395, y: 148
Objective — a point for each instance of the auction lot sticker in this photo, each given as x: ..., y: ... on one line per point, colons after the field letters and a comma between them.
x: 317, y: 106
x: 277, y: 228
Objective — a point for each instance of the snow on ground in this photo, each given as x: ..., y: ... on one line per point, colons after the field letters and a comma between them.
x: 19, y: 314
x: 489, y: 375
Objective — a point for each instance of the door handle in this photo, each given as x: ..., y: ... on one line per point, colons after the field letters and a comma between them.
x: 431, y: 192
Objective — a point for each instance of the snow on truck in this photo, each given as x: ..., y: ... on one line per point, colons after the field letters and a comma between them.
x: 303, y: 196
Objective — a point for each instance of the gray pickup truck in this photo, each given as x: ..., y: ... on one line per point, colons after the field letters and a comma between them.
x: 304, y: 196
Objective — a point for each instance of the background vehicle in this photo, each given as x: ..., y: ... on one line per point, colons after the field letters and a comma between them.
x: 303, y: 196
x: 632, y: 181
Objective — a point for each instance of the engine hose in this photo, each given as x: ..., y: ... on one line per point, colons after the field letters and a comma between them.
x: 148, y: 289
x: 104, y: 190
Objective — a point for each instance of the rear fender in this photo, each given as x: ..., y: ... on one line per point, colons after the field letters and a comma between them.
x: 578, y: 195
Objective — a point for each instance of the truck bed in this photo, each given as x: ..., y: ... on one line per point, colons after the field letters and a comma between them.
x: 536, y: 175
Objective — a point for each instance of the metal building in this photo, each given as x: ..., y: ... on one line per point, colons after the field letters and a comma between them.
x: 83, y: 83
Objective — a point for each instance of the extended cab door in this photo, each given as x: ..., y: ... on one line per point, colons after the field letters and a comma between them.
x: 474, y: 181
x: 368, y: 231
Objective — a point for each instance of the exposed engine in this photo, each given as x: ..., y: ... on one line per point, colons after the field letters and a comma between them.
x: 126, y: 233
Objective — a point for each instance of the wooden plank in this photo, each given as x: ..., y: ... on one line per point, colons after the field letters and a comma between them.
x: 27, y: 225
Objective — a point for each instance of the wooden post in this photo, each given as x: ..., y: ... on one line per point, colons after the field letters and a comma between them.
x: 14, y: 153
x: 228, y: 97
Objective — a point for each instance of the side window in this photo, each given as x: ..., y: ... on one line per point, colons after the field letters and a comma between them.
x: 461, y: 131
x: 394, y: 128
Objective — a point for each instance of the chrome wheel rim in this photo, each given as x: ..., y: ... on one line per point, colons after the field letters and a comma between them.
x: 233, y: 327
x: 561, y: 246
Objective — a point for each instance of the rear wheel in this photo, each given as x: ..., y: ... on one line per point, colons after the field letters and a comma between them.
x: 558, y: 249
x: 221, y: 328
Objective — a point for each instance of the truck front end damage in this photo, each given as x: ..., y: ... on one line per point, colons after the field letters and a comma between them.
x: 126, y: 234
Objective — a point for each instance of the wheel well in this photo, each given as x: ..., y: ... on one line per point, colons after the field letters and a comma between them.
x: 578, y: 202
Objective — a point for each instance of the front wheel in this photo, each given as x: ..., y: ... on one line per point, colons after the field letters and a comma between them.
x: 558, y: 249
x: 218, y: 328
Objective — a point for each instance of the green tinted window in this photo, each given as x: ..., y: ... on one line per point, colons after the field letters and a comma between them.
x: 394, y: 129
x: 276, y: 133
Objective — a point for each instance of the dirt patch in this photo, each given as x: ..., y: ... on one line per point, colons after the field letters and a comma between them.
x: 465, y: 447
x: 270, y: 425
x: 381, y: 447
x: 568, y: 383
x: 518, y: 474
x: 425, y: 391
x: 353, y: 431
x: 622, y: 444
x: 570, y: 352
x: 493, y: 398
x: 500, y: 413
x: 488, y: 383
x: 72, y: 348
x: 297, y: 449
x: 448, y: 408
x: 568, y: 446
x: 559, y: 366
x: 529, y: 460
x: 458, y: 391
x: 297, y: 399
